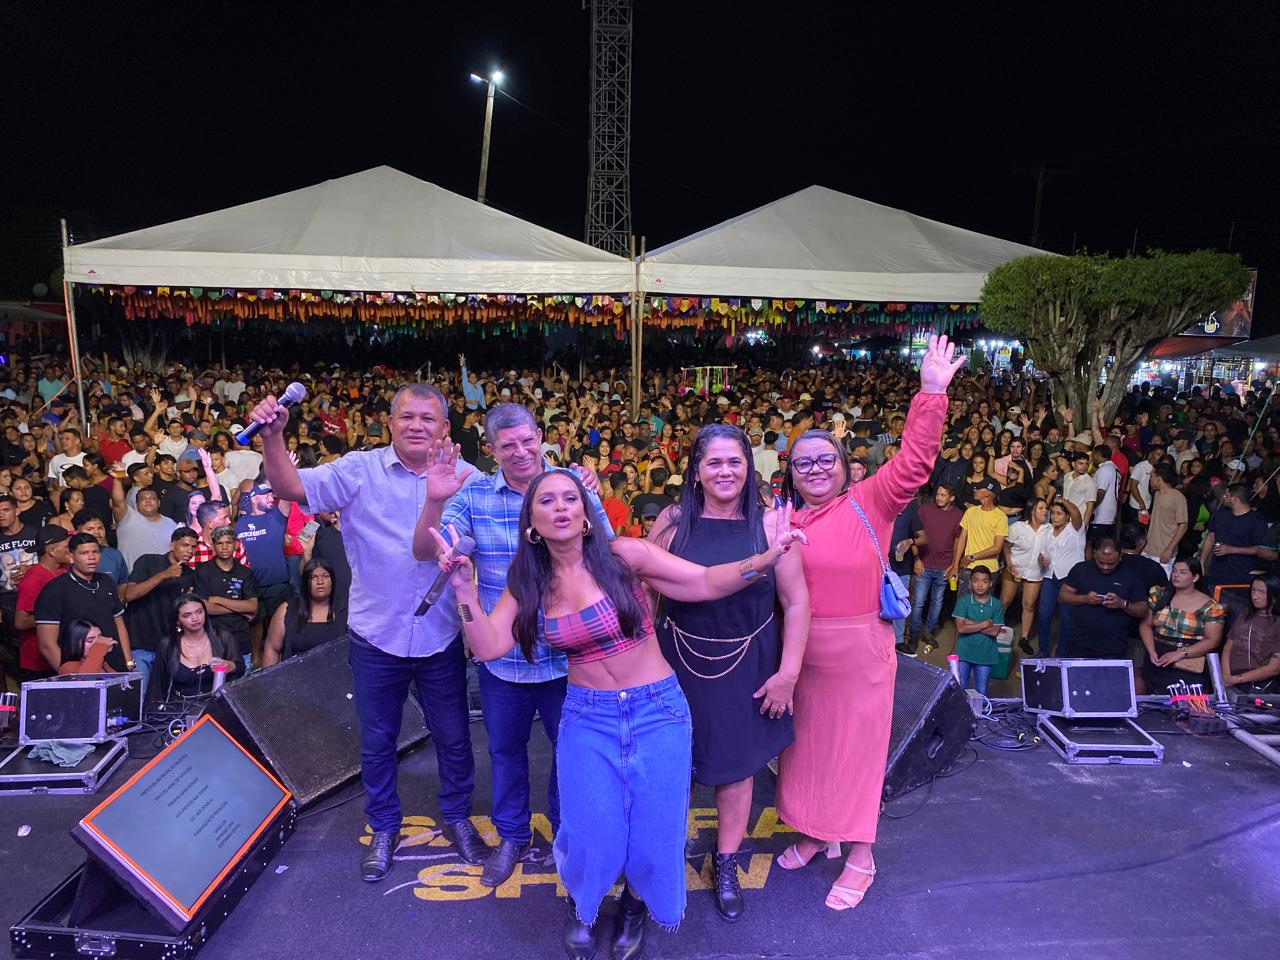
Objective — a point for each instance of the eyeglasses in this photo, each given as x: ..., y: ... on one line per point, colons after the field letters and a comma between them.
x: 825, y: 462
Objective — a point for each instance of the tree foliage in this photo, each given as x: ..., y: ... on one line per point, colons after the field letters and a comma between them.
x: 1078, y: 312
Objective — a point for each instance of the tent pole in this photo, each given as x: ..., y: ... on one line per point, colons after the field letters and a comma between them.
x: 635, y: 356
x: 68, y: 295
x: 638, y: 300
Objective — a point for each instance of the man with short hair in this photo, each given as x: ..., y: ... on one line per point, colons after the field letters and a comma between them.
x: 1107, y: 483
x: 512, y: 689
x: 210, y: 515
x: 934, y: 560
x: 72, y: 453
x: 1168, y: 522
x: 155, y: 584
x: 1104, y: 596
x: 1230, y: 550
x: 1080, y: 488
x: 390, y: 645
x: 17, y: 556
x: 140, y: 528
x: 111, y: 561
x: 83, y: 594
x: 52, y: 559
x: 173, y: 442
x: 229, y: 588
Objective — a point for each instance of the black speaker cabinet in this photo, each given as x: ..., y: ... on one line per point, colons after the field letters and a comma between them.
x: 932, y: 722
x: 299, y: 719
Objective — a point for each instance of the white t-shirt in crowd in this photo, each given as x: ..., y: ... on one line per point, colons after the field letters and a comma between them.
x: 61, y: 462
x: 1064, y: 550
x: 766, y: 460
x: 1107, y: 479
x: 132, y: 457
x: 1081, y: 491
x: 137, y: 536
x: 1142, y: 474
x: 245, y: 464
x: 173, y: 448
x: 1025, y: 546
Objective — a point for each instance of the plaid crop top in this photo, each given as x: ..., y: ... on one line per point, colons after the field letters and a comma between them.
x: 595, y: 633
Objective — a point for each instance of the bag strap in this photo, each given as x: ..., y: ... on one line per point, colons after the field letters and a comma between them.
x: 884, y: 565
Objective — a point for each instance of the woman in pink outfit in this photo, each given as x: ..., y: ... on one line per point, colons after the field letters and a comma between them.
x: 830, y: 779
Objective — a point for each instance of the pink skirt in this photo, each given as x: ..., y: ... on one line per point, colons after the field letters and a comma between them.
x: 831, y: 778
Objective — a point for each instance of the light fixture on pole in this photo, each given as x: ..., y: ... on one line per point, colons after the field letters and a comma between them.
x: 494, y: 81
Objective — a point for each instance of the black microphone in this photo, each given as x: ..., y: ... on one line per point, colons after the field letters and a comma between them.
x: 294, y: 394
x: 462, y: 548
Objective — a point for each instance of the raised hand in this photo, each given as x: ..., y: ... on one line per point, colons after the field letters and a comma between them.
x: 939, y: 365
x: 783, y: 536
x: 442, y: 476
x: 840, y: 429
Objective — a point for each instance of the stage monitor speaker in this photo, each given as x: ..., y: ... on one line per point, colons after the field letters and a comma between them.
x: 299, y: 718
x: 932, y: 722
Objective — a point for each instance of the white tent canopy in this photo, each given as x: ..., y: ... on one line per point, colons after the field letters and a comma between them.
x: 822, y: 244
x: 376, y: 230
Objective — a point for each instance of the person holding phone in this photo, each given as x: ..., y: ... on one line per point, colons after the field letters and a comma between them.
x: 1104, y: 595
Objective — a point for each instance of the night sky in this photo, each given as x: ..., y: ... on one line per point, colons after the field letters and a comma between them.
x: 1161, y: 117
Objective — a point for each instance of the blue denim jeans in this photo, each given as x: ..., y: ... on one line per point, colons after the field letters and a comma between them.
x: 980, y: 672
x: 625, y: 759
x: 931, y: 586
x: 144, y: 660
x: 508, y: 719
x: 381, y: 688
x: 1048, y: 607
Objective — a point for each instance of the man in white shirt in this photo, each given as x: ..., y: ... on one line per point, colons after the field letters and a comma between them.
x: 141, y: 441
x: 1079, y: 487
x: 243, y: 462
x: 173, y: 443
x: 1107, y: 502
x: 1140, y: 481
x: 72, y: 452
x: 763, y: 455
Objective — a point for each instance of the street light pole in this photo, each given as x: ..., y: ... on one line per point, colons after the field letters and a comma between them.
x: 495, y: 78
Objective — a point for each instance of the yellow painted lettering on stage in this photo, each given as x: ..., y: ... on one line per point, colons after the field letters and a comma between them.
x: 414, y: 831
x: 702, y: 818
x: 541, y: 827
x: 488, y: 832
x: 768, y: 825
x: 522, y: 877
x: 451, y: 881
x: 695, y: 880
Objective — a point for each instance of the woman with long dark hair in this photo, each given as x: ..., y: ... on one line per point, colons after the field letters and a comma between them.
x: 308, y: 618
x: 1251, y: 655
x: 186, y: 656
x: 83, y: 646
x: 726, y: 653
x: 830, y: 780
x: 623, y: 748
x: 1183, y: 625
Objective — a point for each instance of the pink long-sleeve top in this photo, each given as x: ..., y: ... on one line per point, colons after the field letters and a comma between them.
x: 839, y: 561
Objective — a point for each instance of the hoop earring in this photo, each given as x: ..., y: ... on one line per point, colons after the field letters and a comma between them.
x: 532, y: 535
x: 586, y: 528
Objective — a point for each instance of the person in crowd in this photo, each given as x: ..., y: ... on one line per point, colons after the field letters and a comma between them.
x: 71, y: 443
x: 308, y: 619
x: 72, y: 502
x: 17, y: 556
x: 52, y: 559
x: 1022, y: 571
x: 849, y: 646
x: 156, y: 582
x: 1230, y: 550
x: 983, y: 531
x: 1062, y: 547
x: 1108, y: 487
x: 736, y: 665
x: 211, y: 515
x: 390, y: 645
x: 513, y: 687
x: 228, y: 588
x: 1140, y: 497
x: 327, y: 546
x: 83, y: 648
x: 1181, y: 625
x: 976, y: 477
x: 83, y: 594
x: 569, y: 585
x: 1251, y: 655
x: 1080, y: 488
x: 188, y: 653
x: 933, y: 562
x: 96, y: 498
x: 1168, y: 521
x: 33, y: 511
x: 979, y: 617
x: 110, y: 561
x: 261, y: 532
x: 194, y: 476
x: 1104, y: 595
x: 141, y: 528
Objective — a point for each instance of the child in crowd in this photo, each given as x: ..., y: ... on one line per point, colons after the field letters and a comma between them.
x: 979, y: 617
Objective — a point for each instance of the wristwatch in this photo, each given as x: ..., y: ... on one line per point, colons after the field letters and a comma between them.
x: 131, y: 664
x: 970, y: 558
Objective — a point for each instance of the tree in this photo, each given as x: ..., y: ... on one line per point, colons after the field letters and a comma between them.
x: 1090, y: 314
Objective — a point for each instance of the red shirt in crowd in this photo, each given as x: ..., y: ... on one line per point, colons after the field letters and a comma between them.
x: 29, y: 656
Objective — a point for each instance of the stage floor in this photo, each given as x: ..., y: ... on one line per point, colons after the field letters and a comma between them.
x: 1017, y: 856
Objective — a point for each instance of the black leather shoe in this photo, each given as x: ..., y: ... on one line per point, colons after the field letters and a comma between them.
x: 579, y: 938
x: 728, y: 889
x: 376, y: 862
x: 462, y: 834
x: 502, y: 862
x: 628, y: 930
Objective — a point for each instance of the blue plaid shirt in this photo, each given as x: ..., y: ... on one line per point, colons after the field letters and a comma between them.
x: 488, y: 510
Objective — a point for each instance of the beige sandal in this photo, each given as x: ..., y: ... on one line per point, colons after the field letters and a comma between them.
x: 846, y: 898
x: 790, y: 858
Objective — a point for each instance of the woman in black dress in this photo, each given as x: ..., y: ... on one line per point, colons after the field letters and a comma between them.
x: 736, y: 675
x: 186, y: 657
x: 308, y: 619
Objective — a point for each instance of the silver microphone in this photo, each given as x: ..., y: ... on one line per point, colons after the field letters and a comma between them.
x: 462, y: 548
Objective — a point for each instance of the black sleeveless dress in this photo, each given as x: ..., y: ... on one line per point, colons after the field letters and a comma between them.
x: 732, y: 740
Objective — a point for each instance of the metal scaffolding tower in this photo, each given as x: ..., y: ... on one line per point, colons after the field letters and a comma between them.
x: 609, y: 191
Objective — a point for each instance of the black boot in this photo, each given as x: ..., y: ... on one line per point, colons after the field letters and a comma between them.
x: 579, y: 938
x: 376, y: 862
x: 502, y: 862
x: 462, y: 834
x: 724, y: 875
x: 628, y: 930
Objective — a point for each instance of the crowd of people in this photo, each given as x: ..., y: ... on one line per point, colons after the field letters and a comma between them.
x: 691, y: 599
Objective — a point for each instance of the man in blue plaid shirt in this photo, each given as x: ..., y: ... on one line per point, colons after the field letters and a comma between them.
x: 512, y: 689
